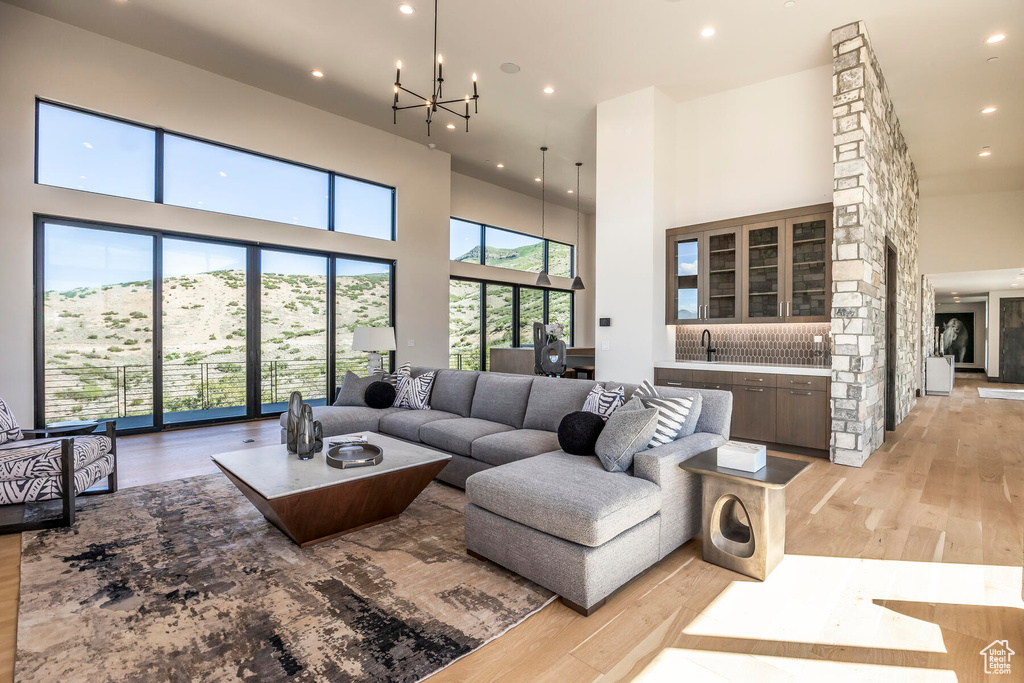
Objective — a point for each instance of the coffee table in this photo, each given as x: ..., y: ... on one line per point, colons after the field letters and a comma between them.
x: 744, y: 513
x: 311, y: 502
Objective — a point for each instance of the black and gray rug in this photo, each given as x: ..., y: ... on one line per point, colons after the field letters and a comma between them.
x: 185, y: 581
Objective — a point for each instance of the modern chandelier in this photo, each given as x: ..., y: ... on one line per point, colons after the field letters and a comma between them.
x: 436, y: 99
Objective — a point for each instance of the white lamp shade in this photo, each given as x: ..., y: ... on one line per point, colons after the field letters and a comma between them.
x: 373, y: 339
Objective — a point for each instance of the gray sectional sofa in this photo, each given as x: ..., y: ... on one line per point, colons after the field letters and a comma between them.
x: 560, y: 520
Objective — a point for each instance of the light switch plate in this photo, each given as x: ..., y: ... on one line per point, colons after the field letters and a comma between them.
x: 606, y: 346
x: 412, y: 342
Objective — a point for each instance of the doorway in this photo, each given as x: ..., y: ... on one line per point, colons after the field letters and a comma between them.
x: 891, y: 269
x: 1011, y: 341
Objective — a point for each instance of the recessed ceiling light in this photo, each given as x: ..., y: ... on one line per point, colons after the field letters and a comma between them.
x: 317, y: 72
x: 954, y: 292
x: 708, y: 32
x: 988, y: 110
x: 571, y: 191
x: 432, y: 145
x: 451, y: 126
x: 985, y: 152
x: 501, y: 165
x: 406, y: 8
x: 1015, y: 285
x: 509, y: 68
x: 536, y: 180
x: 548, y: 90
x: 996, y: 38
x: 789, y: 4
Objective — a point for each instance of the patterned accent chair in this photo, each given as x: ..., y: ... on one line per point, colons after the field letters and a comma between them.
x: 37, y: 470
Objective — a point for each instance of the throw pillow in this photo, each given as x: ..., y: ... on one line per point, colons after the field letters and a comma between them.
x: 603, y: 402
x: 353, y: 389
x: 647, y: 390
x: 578, y: 432
x: 380, y: 394
x: 414, y: 392
x: 672, y: 414
x: 626, y: 433
x: 9, y: 429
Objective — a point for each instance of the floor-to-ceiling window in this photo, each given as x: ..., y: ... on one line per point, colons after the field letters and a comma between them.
x: 362, y: 299
x: 111, y: 300
x: 464, y: 324
x: 97, y: 323
x: 499, y: 318
x: 293, y: 326
x: 531, y: 310
x: 560, y: 311
x: 204, y: 322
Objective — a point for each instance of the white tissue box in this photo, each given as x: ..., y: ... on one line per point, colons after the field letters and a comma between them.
x: 737, y: 455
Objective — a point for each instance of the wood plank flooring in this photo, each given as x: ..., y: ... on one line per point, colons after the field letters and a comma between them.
x: 901, y: 570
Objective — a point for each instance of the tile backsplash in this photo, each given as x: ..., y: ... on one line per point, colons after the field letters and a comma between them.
x: 781, y: 344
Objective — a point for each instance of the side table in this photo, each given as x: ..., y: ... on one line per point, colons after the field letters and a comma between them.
x: 744, y: 513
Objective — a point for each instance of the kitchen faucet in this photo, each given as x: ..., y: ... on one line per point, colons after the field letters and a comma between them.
x: 707, y: 335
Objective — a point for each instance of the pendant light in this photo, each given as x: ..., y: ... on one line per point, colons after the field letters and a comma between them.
x: 577, y: 282
x: 542, y: 278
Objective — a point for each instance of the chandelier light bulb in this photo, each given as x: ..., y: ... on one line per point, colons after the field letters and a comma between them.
x: 440, y: 59
x: 474, y: 77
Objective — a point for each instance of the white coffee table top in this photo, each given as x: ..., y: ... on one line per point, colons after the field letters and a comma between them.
x: 273, y: 472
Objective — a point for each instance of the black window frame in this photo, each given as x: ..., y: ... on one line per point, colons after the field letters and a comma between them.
x: 158, y: 171
x: 516, y: 337
x: 547, y: 241
x: 254, y: 410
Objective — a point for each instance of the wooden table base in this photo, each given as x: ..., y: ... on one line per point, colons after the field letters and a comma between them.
x: 319, y: 515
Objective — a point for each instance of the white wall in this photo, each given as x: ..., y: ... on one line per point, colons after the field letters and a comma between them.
x: 662, y: 164
x: 45, y: 58
x: 761, y: 148
x: 476, y: 200
x: 970, y: 232
x: 980, y: 331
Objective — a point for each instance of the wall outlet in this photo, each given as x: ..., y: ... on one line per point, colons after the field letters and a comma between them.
x: 412, y: 342
x: 606, y: 346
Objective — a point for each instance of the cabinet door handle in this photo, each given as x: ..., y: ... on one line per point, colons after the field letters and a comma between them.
x: 793, y: 381
x: 673, y: 384
x: 787, y: 309
x: 713, y: 386
x: 753, y: 379
x: 780, y: 309
x: 801, y: 393
x: 753, y: 389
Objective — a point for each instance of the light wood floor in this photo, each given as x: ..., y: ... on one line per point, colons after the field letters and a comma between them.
x: 901, y: 570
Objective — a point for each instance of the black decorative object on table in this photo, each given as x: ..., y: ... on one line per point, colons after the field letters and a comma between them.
x: 305, y: 440
x: 578, y: 432
x: 380, y: 395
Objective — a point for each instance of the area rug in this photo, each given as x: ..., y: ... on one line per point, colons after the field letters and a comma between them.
x: 1011, y: 394
x: 186, y: 581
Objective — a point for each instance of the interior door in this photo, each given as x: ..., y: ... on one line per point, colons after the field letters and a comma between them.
x: 1011, y: 340
x: 721, y: 281
x: 808, y: 269
x: 762, y: 285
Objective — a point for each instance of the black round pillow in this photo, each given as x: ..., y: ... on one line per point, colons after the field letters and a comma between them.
x: 380, y: 395
x: 578, y: 432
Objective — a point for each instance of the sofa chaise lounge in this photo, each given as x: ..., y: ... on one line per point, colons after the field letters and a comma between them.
x: 560, y: 520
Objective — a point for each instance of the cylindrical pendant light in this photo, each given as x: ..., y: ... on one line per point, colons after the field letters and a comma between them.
x: 577, y: 282
x: 542, y: 278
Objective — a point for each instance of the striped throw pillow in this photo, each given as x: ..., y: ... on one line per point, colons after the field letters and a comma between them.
x: 603, y: 402
x: 672, y: 414
x: 414, y: 392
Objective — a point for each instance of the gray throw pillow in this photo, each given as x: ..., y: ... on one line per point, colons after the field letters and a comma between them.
x: 353, y: 389
x: 626, y: 433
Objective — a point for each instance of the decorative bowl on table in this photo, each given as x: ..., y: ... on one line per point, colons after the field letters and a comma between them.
x: 344, y: 456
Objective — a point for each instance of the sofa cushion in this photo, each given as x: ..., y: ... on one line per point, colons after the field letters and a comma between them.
x: 568, y: 496
x: 552, y: 398
x: 36, y: 489
x: 506, y: 447
x: 346, y: 419
x: 457, y: 436
x: 502, y: 398
x: 453, y: 391
x: 405, y: 424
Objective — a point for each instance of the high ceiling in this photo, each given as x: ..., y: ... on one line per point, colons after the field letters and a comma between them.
x: 933, y: 53
x: 975, y: 286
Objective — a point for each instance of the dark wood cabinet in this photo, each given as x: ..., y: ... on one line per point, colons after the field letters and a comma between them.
x: 769, y: 268
x: 803, y: 418
x: 777, y: 410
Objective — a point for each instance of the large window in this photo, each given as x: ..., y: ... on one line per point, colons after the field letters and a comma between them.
x: 488, y: 315
x: 203, y: 176
x: 86, y: 151
x: 154, y: 329
x: 95, y: 154
x: 484, y: 244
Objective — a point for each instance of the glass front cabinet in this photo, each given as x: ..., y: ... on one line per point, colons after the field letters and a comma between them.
x: 756, y: 271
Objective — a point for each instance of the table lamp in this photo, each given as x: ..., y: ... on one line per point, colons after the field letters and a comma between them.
x: 374, y: 340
